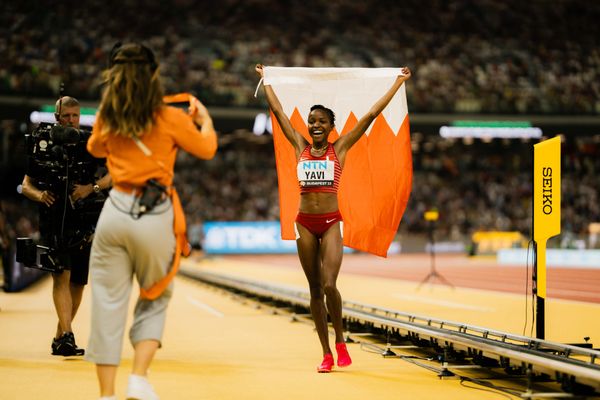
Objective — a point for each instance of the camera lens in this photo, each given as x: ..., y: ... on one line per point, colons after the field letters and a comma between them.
x: 64, y: 135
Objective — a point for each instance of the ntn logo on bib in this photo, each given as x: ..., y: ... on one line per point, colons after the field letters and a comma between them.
x: 316, y: 173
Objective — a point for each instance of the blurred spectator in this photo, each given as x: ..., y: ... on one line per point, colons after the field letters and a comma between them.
x: 479, y: 56
x: 18, y: 218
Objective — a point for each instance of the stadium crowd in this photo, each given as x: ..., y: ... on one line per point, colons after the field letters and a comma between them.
x: 480, y: 56
x: 475, y: 185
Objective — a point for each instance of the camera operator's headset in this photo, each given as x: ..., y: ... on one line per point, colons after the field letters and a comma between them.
x: 57, y: 114
x: 179, y: 225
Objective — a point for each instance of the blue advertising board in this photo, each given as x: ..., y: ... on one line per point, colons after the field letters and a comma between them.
x: 260, y: 237
x: 245, y: 238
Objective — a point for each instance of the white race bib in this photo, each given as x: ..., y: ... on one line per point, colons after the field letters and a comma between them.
x: 312, y: 173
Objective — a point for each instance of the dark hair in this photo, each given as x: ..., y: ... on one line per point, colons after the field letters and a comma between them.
x: 327, y: 111
x: 133, y: 53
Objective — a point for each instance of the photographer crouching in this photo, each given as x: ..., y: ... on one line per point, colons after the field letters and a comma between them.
x: 63, y: 177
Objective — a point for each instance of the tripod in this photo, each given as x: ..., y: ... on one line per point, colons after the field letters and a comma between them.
x: 433, y: 274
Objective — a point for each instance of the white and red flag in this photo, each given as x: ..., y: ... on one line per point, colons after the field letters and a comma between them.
x: 377, y: 176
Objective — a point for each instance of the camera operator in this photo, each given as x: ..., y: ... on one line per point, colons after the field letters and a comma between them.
x: 58, y: 220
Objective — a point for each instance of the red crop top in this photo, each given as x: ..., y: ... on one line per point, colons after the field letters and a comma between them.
x: 319, y: 174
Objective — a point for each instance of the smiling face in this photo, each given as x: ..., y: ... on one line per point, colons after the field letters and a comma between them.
x: 319, y: 126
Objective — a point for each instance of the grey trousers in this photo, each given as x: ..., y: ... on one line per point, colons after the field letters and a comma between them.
x: 123, y: 248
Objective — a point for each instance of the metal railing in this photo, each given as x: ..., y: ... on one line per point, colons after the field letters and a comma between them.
x: 562, y: 362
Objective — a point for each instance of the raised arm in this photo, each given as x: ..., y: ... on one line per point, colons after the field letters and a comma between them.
x: 344, y: 143
x: 292, y: 135
x: 202, y: 118
x: 200, y: 140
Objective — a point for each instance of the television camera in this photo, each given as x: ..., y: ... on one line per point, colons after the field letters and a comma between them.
x: 58, y: 159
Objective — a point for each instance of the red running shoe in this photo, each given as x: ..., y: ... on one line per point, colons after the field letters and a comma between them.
x: 344, y: 359
x: 327, y: 363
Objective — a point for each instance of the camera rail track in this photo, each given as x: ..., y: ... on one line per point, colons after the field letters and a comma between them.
x: 575, y: 368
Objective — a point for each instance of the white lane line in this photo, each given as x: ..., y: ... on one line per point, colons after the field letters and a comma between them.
x: 205, y: 307
x: 443, y: 303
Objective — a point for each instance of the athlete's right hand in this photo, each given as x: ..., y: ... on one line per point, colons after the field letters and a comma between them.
x: 259, y: 70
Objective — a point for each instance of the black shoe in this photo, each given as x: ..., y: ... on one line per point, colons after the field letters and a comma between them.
x: 65, y: 346
x: 54, y: 346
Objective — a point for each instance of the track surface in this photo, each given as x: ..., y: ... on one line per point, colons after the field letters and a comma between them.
x: 581, y: 284
x: 216, y: 347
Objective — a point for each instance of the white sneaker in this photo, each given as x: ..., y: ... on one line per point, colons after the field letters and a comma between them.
x: 139, y: 388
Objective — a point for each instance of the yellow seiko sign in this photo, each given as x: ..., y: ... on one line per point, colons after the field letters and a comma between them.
x: 546, y: 202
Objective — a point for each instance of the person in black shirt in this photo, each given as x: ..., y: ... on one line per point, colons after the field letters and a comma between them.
x: 65, y: 228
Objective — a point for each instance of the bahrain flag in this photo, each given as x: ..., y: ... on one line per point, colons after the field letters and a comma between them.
x: 377, y: 174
